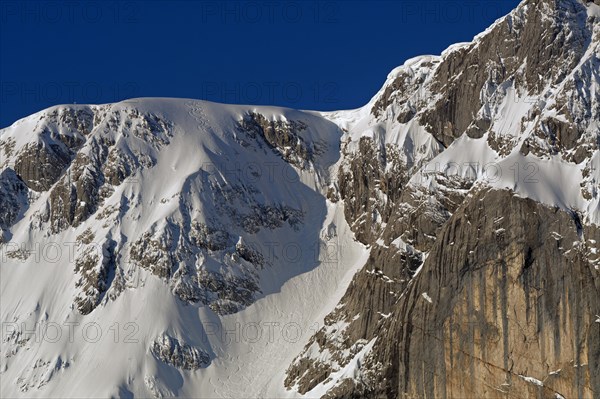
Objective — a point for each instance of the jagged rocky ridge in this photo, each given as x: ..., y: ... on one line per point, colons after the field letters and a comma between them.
x: 82, y: 155
x: 78, y: 210
x: 434, y: 318
x: 476, y: 283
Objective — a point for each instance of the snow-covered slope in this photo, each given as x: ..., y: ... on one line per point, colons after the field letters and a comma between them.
x: 175, y: 212
x: 174, y: 247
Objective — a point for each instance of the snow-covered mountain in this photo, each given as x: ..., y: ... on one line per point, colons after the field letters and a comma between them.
x: 442, y: 240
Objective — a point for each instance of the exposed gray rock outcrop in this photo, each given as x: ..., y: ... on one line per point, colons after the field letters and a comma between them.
x: 282, y: 137
x: 60, y: 134
x: 188, y: 263
x: 541, y: 35
x: 13, y: 200
x: 96, y: 267
x: 177, y: 354
x: 506, y: 296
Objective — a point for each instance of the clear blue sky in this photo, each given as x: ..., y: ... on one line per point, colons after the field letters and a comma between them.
x: 321, y: 55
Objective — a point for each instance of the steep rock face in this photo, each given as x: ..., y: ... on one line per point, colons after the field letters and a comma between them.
x: 408, y: 89
x: 13, y: 200
x: 102, y: 164
x: 471, y: 85
x: 40, y: 166
x: 76, y: 196
x: 567, y: 125
x: 395, y: 258
x: 96, y: 268
x: 281, y: 136
x: 356, y: 319
x: 400, y: 222
x: 59, y: 135
x: 505, y: 304
x: 541, y: 35
x: 489, y: 92
x: 370, y: 182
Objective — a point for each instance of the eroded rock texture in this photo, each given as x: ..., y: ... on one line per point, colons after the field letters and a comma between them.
x: 544, y: 35
x: 506, y: 304
x: 471, y: 292
x: 282, y: 137
x: 178, y: 354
